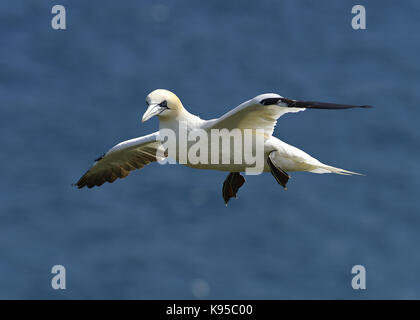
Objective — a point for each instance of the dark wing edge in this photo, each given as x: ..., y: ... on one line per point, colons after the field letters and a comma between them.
x: 116, y: 165
x: 318, y: 105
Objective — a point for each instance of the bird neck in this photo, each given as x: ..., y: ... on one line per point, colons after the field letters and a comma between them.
x: 182, y: 116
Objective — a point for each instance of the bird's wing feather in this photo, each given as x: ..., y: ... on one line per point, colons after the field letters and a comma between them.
x: 121, y: 159
x: 253, y: 115
x: 263, y: 111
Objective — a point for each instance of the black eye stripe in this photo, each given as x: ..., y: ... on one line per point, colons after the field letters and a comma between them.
x: 269, y: 101
x: 164, y: 104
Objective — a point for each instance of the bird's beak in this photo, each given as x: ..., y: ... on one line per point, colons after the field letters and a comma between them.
x: 152, y: 110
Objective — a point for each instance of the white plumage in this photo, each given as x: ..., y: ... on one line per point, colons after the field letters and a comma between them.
x: 260, y: 112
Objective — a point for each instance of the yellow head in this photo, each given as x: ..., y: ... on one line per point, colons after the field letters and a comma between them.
x: 162, y: 103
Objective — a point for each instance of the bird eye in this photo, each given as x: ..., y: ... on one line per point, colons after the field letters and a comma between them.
x: 164, y: 104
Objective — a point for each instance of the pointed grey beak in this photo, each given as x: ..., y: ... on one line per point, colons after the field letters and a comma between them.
x: 152, y: 110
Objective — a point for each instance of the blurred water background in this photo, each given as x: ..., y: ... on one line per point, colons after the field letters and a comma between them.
x: 164, y: 232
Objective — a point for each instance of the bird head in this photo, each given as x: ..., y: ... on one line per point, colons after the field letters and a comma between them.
x: 162, y: 103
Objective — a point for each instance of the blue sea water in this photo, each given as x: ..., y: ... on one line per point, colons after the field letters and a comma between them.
x: 164, y: 232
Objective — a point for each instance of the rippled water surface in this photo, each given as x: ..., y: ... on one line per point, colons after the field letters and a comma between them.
x: 164, y: 232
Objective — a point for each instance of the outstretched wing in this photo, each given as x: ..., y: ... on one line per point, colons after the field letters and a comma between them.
x: 121, y: 159
x: 263, y: 111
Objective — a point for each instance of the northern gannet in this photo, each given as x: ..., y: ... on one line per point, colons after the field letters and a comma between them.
x: 261, y: 113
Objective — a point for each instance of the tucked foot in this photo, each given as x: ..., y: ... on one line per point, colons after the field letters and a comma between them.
x: 231, y: 185
x: 280, y: 175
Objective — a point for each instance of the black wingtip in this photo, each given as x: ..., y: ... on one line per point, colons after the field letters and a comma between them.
x: 75, y: 185
x: 366, y: 107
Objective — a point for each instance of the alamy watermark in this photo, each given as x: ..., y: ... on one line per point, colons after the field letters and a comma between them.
x: 198, y: 147
x: 59, y: 280
x: 359, y: 20
x: 58, y: 21
x: 358, y: 282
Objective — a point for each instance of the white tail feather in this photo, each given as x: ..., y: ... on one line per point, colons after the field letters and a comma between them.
x: 323, y: 168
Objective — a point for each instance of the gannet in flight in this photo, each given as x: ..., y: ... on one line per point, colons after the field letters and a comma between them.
x: 260, y: 112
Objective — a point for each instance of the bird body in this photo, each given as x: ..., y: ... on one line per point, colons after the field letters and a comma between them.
x: 196, y: 142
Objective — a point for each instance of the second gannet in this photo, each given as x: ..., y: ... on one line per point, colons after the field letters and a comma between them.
x: 261, y: 113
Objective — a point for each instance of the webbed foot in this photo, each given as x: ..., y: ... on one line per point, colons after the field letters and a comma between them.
x: 231, y: 185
